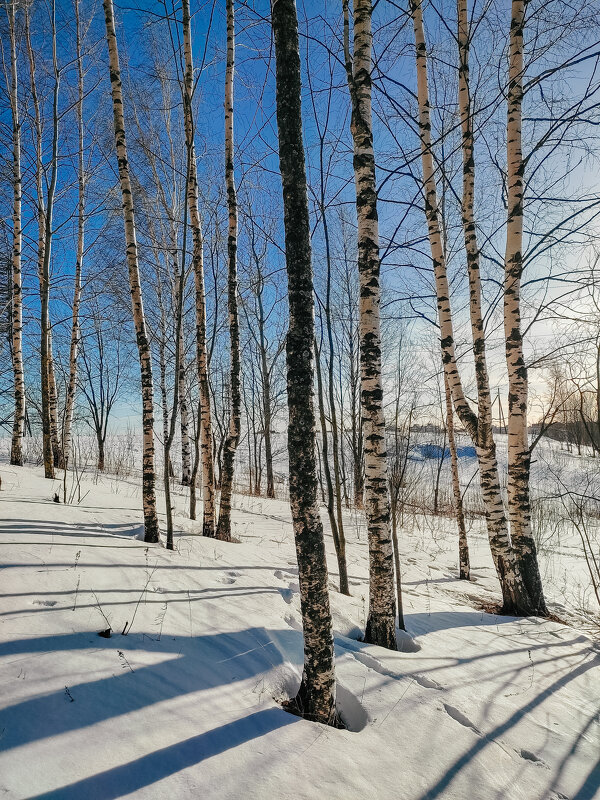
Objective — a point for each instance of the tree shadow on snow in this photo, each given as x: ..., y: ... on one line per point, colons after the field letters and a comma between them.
x: 588, y: 789
x: 190, y: 664
x: 155, y: 766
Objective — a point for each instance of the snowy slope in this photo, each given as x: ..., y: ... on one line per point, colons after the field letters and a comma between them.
x: 185, y: 704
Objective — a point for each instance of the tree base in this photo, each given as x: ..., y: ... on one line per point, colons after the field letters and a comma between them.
x: 223, y: 533
x: 381, y: 630
x: 299, y: 708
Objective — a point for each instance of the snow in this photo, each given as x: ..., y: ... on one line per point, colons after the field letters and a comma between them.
x: 186, y: 703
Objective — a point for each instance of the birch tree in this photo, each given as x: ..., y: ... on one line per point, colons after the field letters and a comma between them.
x: 516, y: 598
x: 151, y: 527
x: 205, y: 425
x: 380, y: 628
x: 16, y: 451
x: 316, y: 697
x: 44, y: 208
x: 519, y: 454
x: 235, y: 414
x: 77, y: 289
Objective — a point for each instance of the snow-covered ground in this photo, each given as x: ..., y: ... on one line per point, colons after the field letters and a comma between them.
x: 186, y: 703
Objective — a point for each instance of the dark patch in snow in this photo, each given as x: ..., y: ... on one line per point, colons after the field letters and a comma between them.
x: 287, y: 594
x: 527, y: 755
x: 459, y: 717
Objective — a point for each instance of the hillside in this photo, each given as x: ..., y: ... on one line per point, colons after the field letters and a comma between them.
x: 185, y: 704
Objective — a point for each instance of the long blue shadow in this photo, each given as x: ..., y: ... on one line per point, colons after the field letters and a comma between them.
x: 440, y: 787
x: 149, y: 769
x: 201, y: 662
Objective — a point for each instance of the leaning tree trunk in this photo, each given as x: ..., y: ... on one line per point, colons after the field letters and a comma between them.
x: 316, y: 697
x: 151, y: 528
x: 381, y: 620
x: 514, y: 593
x: 16, y: 451
x: 206, y: 439
x: 235, y: 415
x: 519, y: 453
x: 72, y: 385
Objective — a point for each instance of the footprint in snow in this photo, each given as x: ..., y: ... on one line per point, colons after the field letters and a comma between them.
x: 230, y: 577
x: 527, y: 755
x: 287, y: 594
x: 459, y: 717
x: 426, y: 683
x: 291, y: 620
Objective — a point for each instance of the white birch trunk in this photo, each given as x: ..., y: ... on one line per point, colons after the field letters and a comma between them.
x: 519, y: 453
x: 205, y: 424
x: 43, y: 257
x: 514, y: 592
x: 16, y: 452
x: 381, y: 621
x: 151, y: 528
x: 235, y: 417
x: 72, y: 384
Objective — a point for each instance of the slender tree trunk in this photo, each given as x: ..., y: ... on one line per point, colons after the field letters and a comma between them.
x: 484, y: 437
x: 72, y: 385
x: 463, y: 545
x: 172, y: 421
x: 100, y: 440
x: 339, y: 543
x: 354, y: 367
x: 206, y: 439
x: 381, y: 621
x: 41, y: 259
x: 195, y: 464
x: 151, y: 528
x: 235, y: 414
x: 16, y: 452
x: 336, y: 486
x: 519, y: 454
x: 316, y: 697
x: 265, y: 391
x: 184, y: 419
x: 515, y: 595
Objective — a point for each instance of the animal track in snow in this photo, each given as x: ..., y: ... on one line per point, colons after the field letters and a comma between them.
x: 230, y: 577
x: 287, y: 594
x: 291, y: 620
x: 426, y: 683
x: 374, y: 664
x: 459, y: 717
x: 527, y: 755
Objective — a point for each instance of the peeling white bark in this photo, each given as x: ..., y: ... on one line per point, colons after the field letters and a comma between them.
x: 151, y: 528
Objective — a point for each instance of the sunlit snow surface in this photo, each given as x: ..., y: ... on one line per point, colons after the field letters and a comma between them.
x: 185, y: 705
